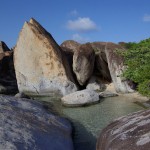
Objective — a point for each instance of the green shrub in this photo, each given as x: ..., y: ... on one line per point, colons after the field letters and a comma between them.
x: 137, y: 59
x: 144, y: 88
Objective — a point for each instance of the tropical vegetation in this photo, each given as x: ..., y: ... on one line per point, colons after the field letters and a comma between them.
x: 137, y: 60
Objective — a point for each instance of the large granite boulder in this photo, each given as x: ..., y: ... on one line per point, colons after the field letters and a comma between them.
x: 98, y: 46
x: 80, y: 98
x: 83, y: 63
x: 116, y: 68
x: 26, y: 125
x: 131, y: 132
x: 40, y: 65
x: 101, y: 65
x: 70, y: 46
x: 8, y: 81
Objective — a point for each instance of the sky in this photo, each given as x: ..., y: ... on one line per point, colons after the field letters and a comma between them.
x: 79, y: 20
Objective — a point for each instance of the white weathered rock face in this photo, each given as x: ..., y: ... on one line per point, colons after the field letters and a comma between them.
x: 116, y: 67
x: 80, y: 98
x: 40, y: 65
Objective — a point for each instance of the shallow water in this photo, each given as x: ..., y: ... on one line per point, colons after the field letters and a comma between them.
x: 90, y: 120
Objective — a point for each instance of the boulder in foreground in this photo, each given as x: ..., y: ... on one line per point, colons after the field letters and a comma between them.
x: 81, y: 98
x: 40, y: 65
x: 25, y: 124
x: 131, y: 132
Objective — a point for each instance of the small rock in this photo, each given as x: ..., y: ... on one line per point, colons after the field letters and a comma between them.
x: 80, y: 98
x: 107, y: 94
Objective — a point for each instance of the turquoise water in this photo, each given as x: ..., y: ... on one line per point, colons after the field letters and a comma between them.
x: 89, y: 121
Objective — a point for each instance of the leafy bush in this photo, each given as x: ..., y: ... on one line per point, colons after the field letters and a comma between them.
x: 137, y: 59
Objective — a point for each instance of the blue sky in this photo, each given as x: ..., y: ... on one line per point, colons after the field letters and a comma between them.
x: 81, y: 20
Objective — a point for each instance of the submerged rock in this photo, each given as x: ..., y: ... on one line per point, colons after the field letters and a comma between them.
x: 80, y: 98
x: 83, y: 63
x: 25, y: 124
x: 40, y: 65
x: 130, y: 132
x: 116, y: 68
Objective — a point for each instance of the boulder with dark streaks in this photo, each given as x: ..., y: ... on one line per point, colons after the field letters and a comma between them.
x: 26, y: 125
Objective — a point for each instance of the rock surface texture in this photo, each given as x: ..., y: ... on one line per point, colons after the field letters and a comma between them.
x: 106, y: 94
x: 80, y: 98
x: 131, y: 132
x: 101, y: 65
x: 83, y: 63
x: 70, y: 46
x: 94, y: 84
x: 40, y: 65
x: 8, y: 83
x: 26, y: 125
x: 116, y: 67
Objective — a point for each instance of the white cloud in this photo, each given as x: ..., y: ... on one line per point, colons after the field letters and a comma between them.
x: 82, y: 25
x: 79, y: 38
x: 146, y: 18
x: 74, y: 13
